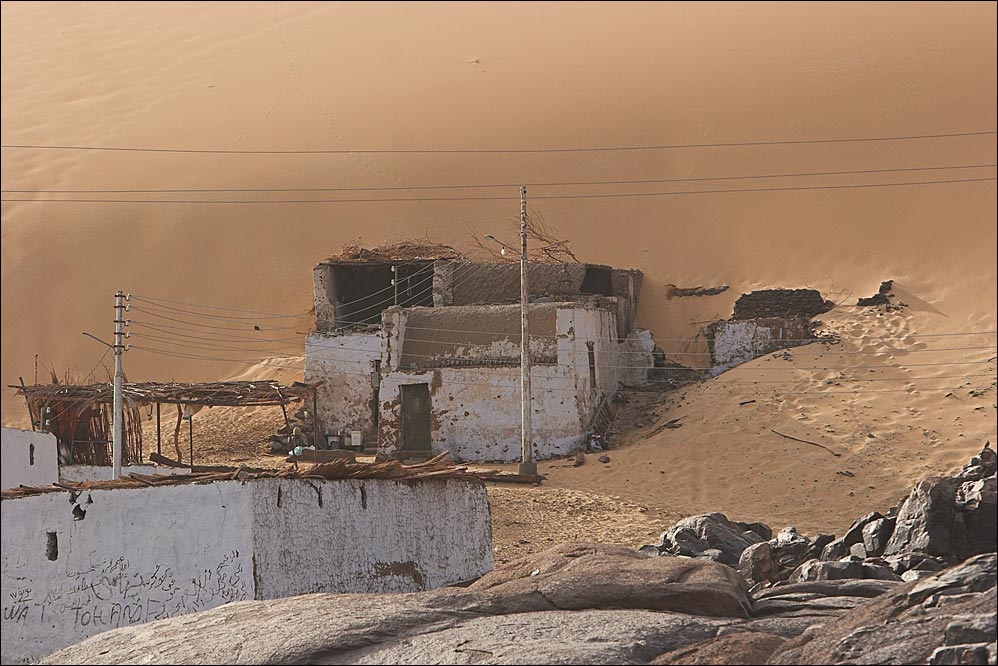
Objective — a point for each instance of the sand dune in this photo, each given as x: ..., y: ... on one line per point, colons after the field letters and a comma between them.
x: 396, y: 76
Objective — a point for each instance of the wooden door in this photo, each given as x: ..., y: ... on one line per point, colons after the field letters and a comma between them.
x: 415, y: 400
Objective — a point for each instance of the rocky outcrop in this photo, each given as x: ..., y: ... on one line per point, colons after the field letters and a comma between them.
x: 945, y: 618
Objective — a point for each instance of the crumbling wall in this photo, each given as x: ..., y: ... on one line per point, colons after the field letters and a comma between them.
x: 29, y: 458
x: 143, y: 554
x: 346, y: 399
x: 780, y: 303
x: 475, y: 412
x: 87, y: 473
x: 473, y: 335
x: 369, y: 536
x: 325, y: 308
x: 734, y: 342
x: 636, y: 358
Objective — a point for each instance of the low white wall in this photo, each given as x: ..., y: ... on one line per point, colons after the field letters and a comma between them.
x: 28, y: 458
x: 734, y: 342
x: 371, y: 535
x: 85, y: 473
x: 111, y: 558
x: 136, y: 555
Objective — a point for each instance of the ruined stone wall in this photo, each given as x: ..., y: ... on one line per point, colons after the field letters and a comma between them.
x: 344, y: 363
x: 636, y: 358
x: 734, y: 342
x: 143, y: 554
x: 473, y: 335
x: 780, y: 303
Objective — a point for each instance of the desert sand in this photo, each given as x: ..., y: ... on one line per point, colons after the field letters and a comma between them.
x: 273, y: 76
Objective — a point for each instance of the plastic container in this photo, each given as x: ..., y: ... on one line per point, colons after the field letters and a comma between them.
x: 357, y: 439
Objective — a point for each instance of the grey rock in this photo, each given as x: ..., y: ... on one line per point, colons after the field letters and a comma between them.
x: 877, y: 572
x: 817, y: 546
x: 712, y: 554
x: 756, y: 563
x: 818, y: 570
x: 858, y: 550
x: 761, y: 529
x: 971, y: 629
x: 903, y: 626
x: 829, y: 588
x: 835, y: 550
x: 977, y: 653
x: 691, y: 536
x: 855, y: 532
x: 876, y: 534
x: 914, y: 574
x: 925, y: 521
x: 977, y: 511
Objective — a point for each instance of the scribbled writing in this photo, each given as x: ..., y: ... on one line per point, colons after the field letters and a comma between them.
x: 113, y: 593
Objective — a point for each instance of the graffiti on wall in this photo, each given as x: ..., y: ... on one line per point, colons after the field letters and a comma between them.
x: 113, y: 593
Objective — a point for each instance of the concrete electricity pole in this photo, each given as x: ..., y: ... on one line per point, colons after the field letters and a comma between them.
x: 527, y: 464
x: 119, y: 412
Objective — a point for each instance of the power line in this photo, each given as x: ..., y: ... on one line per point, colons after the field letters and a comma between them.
x: 512, y: 386
x: 421, y: 151
x: 149, y: 299
x: 579, y: 183
x: 611, y: 195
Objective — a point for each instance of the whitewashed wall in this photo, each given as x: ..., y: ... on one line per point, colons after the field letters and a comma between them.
x: 143, y: 554
x: 475, y: 411
x: 137, y: 555
x: 86, y: 473
x: 344, y: 364
x: 369, y: 535
x: 28, y: 458
x: 738, y: 341
x: 635, y: 358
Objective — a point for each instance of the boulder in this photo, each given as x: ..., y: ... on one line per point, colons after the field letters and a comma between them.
x: 925, y: 521
x: 817, y: 546
x: 761, y: 529
x: 977, y: 514
x: 691, y: 536
x: 580, y: 576
x: 835, y: 550
x: 976, y: 653
x: 756, y: 563
x: 876, y: 534
x: 818, y: 570
x: 855, y: 532
x: 909, y: 624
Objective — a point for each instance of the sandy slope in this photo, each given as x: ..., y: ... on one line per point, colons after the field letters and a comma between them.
x: 268, y: 75
x: 884, y: 434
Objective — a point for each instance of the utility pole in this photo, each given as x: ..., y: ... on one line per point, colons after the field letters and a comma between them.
x: 118, y: 417
x: 527, y: 464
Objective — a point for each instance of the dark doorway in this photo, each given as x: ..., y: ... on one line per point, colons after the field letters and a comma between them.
x: 415, y: 402
x: 597, y: 280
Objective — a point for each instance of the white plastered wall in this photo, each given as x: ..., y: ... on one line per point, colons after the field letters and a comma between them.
x: 29, y: 458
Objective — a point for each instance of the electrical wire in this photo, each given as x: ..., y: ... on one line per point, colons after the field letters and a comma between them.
x: 464, y: 186
x: 610, y: 195
x: 364, y: 151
